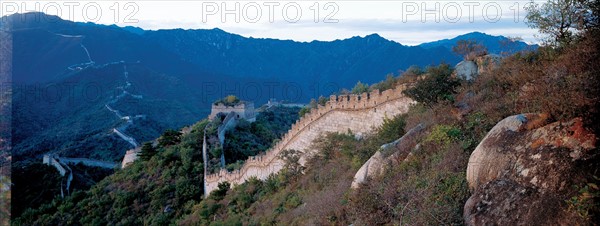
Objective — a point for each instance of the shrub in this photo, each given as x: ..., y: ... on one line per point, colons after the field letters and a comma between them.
x: 469, y: 49
x: 360, y: 88
x: 292, y: 168
x: 147, y: 151
x: 169, y: 137
x: 389, y: 83
x: 230, y: 100
x: 438, y: 85
x: 392, y: 129
x: 221, y: 191
x: 443, y: 135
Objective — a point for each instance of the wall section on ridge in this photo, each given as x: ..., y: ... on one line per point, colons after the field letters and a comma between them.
x: 358, y: 113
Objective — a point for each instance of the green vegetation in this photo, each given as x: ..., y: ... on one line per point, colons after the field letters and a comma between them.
x: 153, y: 192
x: 360, y: 88
x: 5, y: 198
x: 319, y: 195
x: 84, y: 177
x: 147, y: 151
x: 34, y: 185
x: 558, y: 19
x: 249, y: 139
x: 313, y: 104
x: 583, y: 203
x: 230, y: 100
x: 438, y: 85
x: 169, y: 137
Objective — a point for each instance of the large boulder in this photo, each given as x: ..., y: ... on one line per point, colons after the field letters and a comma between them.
x: 506, y: 202
x: 387, y: 155
x: 528, y: 149
x: 466, y: 70
x: 524, y: 169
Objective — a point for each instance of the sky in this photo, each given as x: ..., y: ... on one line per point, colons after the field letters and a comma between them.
x: 406, y: 22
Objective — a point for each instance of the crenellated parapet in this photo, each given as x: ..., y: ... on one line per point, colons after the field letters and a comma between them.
x: 359, y: 113
x: 243, y: 109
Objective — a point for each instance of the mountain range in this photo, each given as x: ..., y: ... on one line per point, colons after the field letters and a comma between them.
x: 68, y: 76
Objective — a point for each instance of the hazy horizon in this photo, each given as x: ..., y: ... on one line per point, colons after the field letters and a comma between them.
x: 406, y: 22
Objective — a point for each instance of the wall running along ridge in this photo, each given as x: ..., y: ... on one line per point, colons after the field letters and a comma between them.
x: 358, y: 113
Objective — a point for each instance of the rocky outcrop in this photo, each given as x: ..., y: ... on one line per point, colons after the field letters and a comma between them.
x: 466, y: 70
x: 130, y: 156
x: 388, y: 155
x: 523, y: 170
x: 506, y: 202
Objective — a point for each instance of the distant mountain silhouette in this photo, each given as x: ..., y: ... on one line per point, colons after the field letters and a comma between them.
x: 494, y: 44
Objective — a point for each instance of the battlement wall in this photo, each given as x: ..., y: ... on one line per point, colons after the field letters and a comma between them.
x: 243, y: 110
x: 358, y: 113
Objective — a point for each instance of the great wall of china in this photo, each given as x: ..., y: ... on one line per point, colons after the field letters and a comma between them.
x: 62, y: 166
x: 358, y: 113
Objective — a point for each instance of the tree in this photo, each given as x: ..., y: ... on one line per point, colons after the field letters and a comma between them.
x: 221, y: 191
x: 147, y: 151
x: 562, y: 20
x: 388, y: 83
x: 392, y: 129
x: 469, y: 49
x: 303, y: 111
x: 439, y: 85
x: 322, y: 100
x: 313, y: 103
x: 292, y: 167
x: 360, y: 88
x: 169, y: 137
x: 590, y: 10
x: 231, y: 99
x: 413, y: 70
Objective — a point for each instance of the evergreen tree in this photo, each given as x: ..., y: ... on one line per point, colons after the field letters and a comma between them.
x: 360, y: 88
x: 439, y: 85
x: 147, y: 151
x: 169, y: 137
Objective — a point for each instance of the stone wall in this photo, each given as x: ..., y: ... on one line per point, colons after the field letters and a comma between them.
x: 52, y: 161
x: 89, y: 162
x: 243, y: 110
x: 358, y: 113
x: 63, y: 169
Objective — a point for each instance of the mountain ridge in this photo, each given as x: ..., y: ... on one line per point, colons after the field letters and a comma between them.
x: 204, y: 64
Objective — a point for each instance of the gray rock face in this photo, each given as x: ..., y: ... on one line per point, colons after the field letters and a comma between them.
x: 505, y: 202
x: 466, y: 70
x: 524, y: 169
x: 387, y: 155
x: 527, y: 149
x: 487, y: 161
